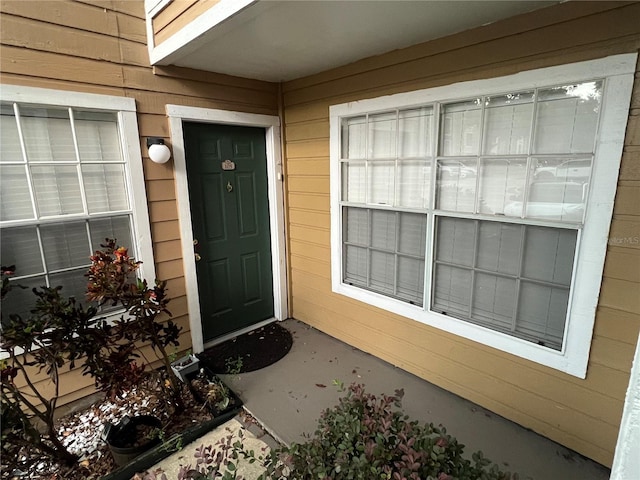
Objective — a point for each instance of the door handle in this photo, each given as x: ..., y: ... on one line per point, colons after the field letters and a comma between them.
x: 229, y: 187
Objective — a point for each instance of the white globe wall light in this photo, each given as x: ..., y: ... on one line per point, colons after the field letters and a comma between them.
x: 158, y: 151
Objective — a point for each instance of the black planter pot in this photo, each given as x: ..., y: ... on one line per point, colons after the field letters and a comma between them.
x: 123, y: 438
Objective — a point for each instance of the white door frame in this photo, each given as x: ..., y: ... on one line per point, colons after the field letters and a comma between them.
x: 271, y: 123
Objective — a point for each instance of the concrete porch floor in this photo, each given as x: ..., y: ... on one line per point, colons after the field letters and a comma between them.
x: 288, y: 396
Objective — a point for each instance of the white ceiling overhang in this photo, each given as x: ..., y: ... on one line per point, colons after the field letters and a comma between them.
x: 277, y: 41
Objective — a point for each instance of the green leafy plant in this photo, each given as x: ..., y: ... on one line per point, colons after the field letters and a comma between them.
x: 364, y: 437
x: 60, y: 332
x: 234, y: 365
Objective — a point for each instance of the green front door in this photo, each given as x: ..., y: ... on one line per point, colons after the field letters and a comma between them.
x: 227, y: 177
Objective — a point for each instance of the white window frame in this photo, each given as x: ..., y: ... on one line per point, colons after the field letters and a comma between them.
x: 618, y: 70
x: 125, y: 108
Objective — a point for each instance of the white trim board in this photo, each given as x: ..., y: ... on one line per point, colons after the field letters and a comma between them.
x: 177, y: 114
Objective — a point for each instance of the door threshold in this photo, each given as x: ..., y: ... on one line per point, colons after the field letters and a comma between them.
x: 237, y: 333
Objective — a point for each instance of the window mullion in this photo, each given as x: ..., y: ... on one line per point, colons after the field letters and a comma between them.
x: 514, y: 317
x: 25, y: 158
x: 74, y: 136
x: 474, y: 262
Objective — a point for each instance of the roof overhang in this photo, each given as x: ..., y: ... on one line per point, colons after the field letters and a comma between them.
x: 277, y: 40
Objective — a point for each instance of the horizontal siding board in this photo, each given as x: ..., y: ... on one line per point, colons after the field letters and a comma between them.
x: 169, y: 13
x: 163, y: 211
x: 140, y: 79
x: 620, y: 295
x: 66, y: 13
x: 170, y: 269
x: 308, y: 130
x: 625, y: 232
x: 49, y: 65
x: 161, y: 190
x: 311, y: 235
x: 622, y: 264
x: 165, y: 251
x: 310, y: 148
x: 152, y: 103
x: 308, y: 166
x: 617, y: 325
x: 156, y: 171
x: 309, y: 218
x: 165, y: 230
x: 630, y: 164
x: 308, y: 184
x: 308, y: 201
x: 13, y: 79
x: 216, y: 78
x: 313, y: 251
x: 196, y: 9
x: 16, y: 32
x: 613, y: 354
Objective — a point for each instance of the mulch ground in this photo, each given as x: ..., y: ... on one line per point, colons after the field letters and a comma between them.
x: 251, y: 351
x: 82, y: 431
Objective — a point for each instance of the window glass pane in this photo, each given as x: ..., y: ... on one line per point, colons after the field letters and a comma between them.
x: 413, y: 234
x: 118, y: 228
x: 97, y: 135
x: 19, y: 246
x: 455, y: 240
x: 415, y: 127
x: 354, y: 137
x: 383, y: 272
x: 73, y: 283
x: 20, y: 301
x: 105, y: 188
x: 356, y: 261
x: 542, y: 313
x: 14, y: 193
x: 499, y: 247
x: 567, y: 118
x: 493, y: 301
x: 10, y: 150
x: 383, y: 230
x: 460, y: 126
x: 502, y: 184
x: 456, y: 185
x: 411, y: 280
x: 549, y: 254
x: 356, y: 225
x: 381, y: 182
x: 507, y: 124
x: 57, y: 189
x: 558, y: 190
x: 65, y: 245
x: 47, y: 134
x: 354, y: 182
x: 452, y: 290
x: 414, y: 182
x: 382, y: 135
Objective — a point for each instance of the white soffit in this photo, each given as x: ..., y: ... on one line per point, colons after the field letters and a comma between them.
x: 277, y: 40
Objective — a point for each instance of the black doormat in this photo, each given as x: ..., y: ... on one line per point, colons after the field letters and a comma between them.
x: 250, y: 351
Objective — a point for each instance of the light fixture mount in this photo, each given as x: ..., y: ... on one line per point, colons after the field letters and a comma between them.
x: 158, y: 151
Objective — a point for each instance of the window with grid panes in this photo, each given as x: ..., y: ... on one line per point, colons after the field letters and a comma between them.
x: 473, y: 209
x: 64, y: 183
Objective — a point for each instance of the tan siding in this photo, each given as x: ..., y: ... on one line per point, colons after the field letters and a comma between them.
x: 177, y: 15
x: 100, y: 47
x: 582, y: 414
